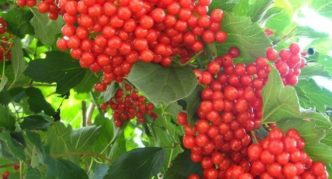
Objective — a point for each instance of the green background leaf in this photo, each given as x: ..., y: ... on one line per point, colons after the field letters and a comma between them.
x: 162, y: 85
x: 140, y: 163
x: 57, y: 67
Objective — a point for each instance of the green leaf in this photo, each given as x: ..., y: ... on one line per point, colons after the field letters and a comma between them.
x: 245, y: 35
x: 83, y: 139
x: 110, y: 92
x: 323, y: 7
x: 139, y: 163
x: 162, y: 85
x: 314, y: 69
x: 166, y: 133
x: 326, y: 61
x: 241, y: 8
x: 46, y: 29
x: 57, y: 67
x: 329, y: 168
x: 328, y: 138
x: 14, y: 148
x: 14, y: 94
x: 99, y: 171
x: 192, y: 103
x: 106, y: 133
x: 316, y: 96
x: 18, y: 65
x: 32, y: 173
x: 86, y: 85
x: 173, y: 109
x: 321, y: 120
x: 18, y: 20
x: 182, y: 167
x: 279, y: 102
x: 7, y: 121
x: 119, y: 147
x: 64, y: 169
x: 58, y: 138
x: 279, y: 22
x: 270, y: 13
x: 257, y: 9
x: 3, y: 82
x: 304, y: 31
x: 319, y: 152
x: 35, y: 122
x: 37, y: 102
x: 308, y: 129
x: 226, y: 5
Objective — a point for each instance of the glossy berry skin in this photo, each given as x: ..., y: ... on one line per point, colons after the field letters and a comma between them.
x: 5, y: 41
x: 288, y: 62
x: 229, y: 109
x: 127, y: 32
x: 283, y: 156
x: 127, y: 104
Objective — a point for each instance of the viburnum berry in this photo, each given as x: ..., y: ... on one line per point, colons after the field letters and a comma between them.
x: 230, y: 107
x: 127, y: 104
x: 289, y: 63
x: 282, y: 155
x: 130, y: 31
x: 5, y: 41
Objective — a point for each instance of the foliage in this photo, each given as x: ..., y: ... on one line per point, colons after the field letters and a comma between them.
x: 53, y: 126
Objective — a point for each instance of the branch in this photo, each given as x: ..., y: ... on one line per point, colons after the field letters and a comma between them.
x: 89, y: 113
x: 84, y: 113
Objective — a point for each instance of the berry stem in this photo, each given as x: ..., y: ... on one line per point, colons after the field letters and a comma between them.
x: 254, y: 137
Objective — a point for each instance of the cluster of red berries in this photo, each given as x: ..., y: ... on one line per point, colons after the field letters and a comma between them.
x: 282, y: 156
x: 5, y: 41
x: 51, y: 7
x: 45, y: 6
x: 289, y: 63
x: 231, y: 107
x: 3, y: 26
x: 110, y: 36
x: 127, y: 104
x: 28, y: 3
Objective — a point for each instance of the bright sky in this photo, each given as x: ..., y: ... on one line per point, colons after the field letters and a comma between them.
x: 310, y: 18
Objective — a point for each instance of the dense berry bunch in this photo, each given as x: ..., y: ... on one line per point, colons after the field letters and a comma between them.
x: 51, y: 7
x: 45, y: 6
x: 282, y: 156
x: 231, y: 106
x: 289, y: 63
x: 110, y: 36
x: 5, y: 41
x: 28, y: 3
x: 127, y: 104
x: 3, y: 26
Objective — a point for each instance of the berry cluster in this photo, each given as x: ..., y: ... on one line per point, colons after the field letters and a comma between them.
x: 28, y: 3
x: 45, y: 6
x: 3, y: 26
x: 282, y: 156
x: 289, y: 63
x: 110, y: 36
x: 231, y: 106
x: 51, y: 7
x: 5, y: 41
x: 128, y: 104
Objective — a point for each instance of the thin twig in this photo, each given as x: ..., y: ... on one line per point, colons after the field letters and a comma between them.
x: 84, y: 113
